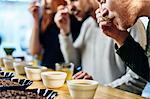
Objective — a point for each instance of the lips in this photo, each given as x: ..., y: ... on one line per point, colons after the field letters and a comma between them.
x: 77, y: 12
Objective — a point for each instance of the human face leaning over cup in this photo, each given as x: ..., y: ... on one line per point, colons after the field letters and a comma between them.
x: 122, y: 12
x: 80, y: 8
x: 50, y: 6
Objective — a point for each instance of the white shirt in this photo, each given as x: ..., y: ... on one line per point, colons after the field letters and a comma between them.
x: 96, y: 51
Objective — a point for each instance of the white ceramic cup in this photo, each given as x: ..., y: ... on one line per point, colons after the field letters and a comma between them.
x: 34, y: 73
x: 1, y: 62
x: 53, y: 79
x: 19, y: 67
x: 8, y: 63
x: 82, y: 89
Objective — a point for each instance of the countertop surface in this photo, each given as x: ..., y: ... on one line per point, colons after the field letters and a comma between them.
x: 101, y: 93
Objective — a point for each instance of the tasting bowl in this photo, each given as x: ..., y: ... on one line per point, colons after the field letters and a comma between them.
x: 82, y: 89
x: 53, y: 79
x: 34, y: 73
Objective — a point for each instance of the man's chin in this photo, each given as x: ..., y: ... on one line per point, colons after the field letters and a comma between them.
x: 126, y: 24
x: 123, y: 26
x: 79, y: 18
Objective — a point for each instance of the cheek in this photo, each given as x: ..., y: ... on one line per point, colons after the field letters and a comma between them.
x: 54, y: 6
x: 117, y: 10
x: 112, y: 6
x: 119, y: 7
x: 84, y: 5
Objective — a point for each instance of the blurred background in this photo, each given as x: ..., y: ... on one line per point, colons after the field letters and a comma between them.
x: 16, y: 25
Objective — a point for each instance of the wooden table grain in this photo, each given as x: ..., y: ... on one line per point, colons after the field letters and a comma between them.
x: 102, y: 92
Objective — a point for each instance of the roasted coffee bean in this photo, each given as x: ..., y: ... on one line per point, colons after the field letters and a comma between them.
x: 8, y: 83
x: 16, y: 94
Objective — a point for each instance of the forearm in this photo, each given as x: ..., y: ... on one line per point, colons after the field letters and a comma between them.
x: 120, y: 37
x: 69, y: 52
x: 134, y: 57
x: 35, y: 46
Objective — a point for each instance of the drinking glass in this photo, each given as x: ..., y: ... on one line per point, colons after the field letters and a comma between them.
x: 65, y: 67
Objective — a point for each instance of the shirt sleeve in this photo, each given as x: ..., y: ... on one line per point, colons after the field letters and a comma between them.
x: 70, y: 53
x: 130, y: 82
x: 134, y: 57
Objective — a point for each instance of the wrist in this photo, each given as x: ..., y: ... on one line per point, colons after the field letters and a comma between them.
x: 121, y: 38
x: 36, y: 22
x: 65, y: 33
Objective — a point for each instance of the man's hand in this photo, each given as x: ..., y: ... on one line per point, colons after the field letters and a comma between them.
x: 82, y: 75
x: 62, y: 20
x: 109, y: 28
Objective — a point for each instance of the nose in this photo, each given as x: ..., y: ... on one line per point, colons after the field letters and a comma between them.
x: 72, y: 9
x: 104, y: 12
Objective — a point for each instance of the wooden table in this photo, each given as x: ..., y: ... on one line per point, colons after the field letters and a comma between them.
x: 101, y: 93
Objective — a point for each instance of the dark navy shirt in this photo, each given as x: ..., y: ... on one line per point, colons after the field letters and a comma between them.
x: 50, y: 43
